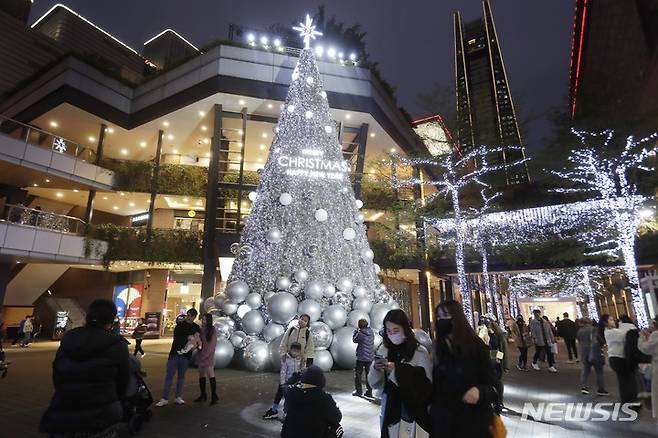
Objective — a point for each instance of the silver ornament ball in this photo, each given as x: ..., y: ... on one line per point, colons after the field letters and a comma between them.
x: 345, y: 284
x: 272, y: 331
x: 237, y: 339
x: 311, y: 308
x: 223, y: 353
x: 322, y: 335
x: 343, y: 349
x: 362, y: 303
x: 256, y: 356
x: 301, y: 275
x: 253, y: 322
x: 282, y: 283
x: 314, y: 289
x: 254, y: 300
x: 334, y: 316
x: 324, y: 360
x: 273, y: 235
x: 282, y: 307
x: 237, y: 291
x: 355, y: 316
x: 377, y: 314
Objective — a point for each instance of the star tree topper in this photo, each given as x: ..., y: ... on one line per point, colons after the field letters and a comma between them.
x: 307, y: 30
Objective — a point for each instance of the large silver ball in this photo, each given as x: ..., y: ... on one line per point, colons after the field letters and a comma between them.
x: 362, y: 303
x: 343, y: 349
x: 282, y: 307
x: 237, y: 291
x: 322, y: 335
x: 314, y: 289
x: 209, y: 303
x: 229, y: 308
x: 310, y: 307
x: 224, y: 326
x: 223, y: 353
x: 324, y: 360
x: 345, y: 285
x: 242, y: 310
x: 254, y: 300
x: 359, y: 292
x: 256, y: 356
x: 301, y: 275
x: 219, y: 301
x: 355, y: 316
x: 274, y: 354
x: 334, y: 316
x: 377, y: 314
x: 378, y: 340
x: 283, y: 283
x: 272, y: 331
x: 237, y: 339
x: 329, y: 290
x: 423, y: 338
x: 253, y: 322
x: 273, y: 235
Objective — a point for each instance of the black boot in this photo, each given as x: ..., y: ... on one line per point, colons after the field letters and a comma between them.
x: 213, y: 391
x: 202, y: 386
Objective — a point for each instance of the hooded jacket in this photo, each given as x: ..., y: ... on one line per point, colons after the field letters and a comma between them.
x: 365, y: 340
x: 90, y: 374
x: 311, y: 412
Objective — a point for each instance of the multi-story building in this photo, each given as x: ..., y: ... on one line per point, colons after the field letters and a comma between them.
x: 119, y: 164
x: 485, y: 110
x: 614, y: 64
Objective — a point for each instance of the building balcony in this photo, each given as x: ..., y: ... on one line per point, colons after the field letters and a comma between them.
x: 33, y: 235
x: 43, y: 152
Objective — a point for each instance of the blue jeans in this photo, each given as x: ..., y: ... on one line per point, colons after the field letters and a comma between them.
x: 177, y: 363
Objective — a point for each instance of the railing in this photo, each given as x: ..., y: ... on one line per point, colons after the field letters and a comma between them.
x: 35, y: 217
x: 38, y: 137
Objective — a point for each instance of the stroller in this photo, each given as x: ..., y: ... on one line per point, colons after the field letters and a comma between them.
x: 138, y: 399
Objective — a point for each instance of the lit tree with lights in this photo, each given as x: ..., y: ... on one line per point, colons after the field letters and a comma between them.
x: 457, y: 172
x: 606, y: 177
x: 304, y: 248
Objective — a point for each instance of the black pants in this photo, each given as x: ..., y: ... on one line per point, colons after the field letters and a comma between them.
x: 361, y: 366
x: 625, y: 378
x: 138, y: 346
x: 571, y: 348
x: 539, y: 350
x: 523, y: 357
x: 279, y: 394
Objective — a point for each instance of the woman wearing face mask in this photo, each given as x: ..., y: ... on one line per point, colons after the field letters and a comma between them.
x: 403, y: 372
x: 301, y: 334
x: 464, y: 379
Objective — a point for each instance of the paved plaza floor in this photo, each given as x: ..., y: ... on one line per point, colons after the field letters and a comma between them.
x: 245, y: 396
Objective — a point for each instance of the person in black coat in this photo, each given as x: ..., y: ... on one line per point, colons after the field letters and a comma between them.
x: 312, y: 413
x: 463, y: 376
x: 91, y: 372
x: 567, y: 330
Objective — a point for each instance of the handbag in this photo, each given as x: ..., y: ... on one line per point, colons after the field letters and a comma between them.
x: 554, y: 348
x: 497, y: 427
x: 405, y: 429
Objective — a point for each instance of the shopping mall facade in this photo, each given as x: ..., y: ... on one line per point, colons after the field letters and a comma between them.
x: 104, y: 147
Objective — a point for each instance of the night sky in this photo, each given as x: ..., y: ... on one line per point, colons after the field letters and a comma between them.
x: 412, y: 40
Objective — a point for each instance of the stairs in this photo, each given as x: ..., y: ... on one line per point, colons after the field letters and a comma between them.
x: 31, y: 281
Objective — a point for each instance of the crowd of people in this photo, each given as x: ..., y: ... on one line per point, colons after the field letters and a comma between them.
x: 454, y: 389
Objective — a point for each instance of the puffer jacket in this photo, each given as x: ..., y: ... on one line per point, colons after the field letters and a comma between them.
x: 365, y: 340
x: 536, y: 326
x: 90, y: 374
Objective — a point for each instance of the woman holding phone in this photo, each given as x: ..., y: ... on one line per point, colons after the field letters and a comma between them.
x: 402, y: 371
x: 464, y: 378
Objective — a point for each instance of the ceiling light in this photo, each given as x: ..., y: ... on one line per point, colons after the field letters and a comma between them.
x: 206, y: 141
x: 241, y: 101
x: 341, y: 55
x: 199, y: 203
x: 60, y: 195
x: 165, y: 123
x: 352, y: 56
x: 142, y: 144
x: 124, y: 151
x: 115, y: 208
x: 186, y: 200
x: 269, y: 105
x: 92, y: 138
x: 372, y: 134
x: 261, y: 147
x: 175, y: 151
x: 110, y: 130
x: 75, y: 190
x: 260, y: 160
x: 264, y: 135
x: 204, y: 128
x: 348, y: 116
x: 239, y: 157
x: 132, y: 204
x: 276, y: 42
x: 170, y: 137
x: 104, y: 198
x: 47, y: 180
x: 331, y: 52
x: 240, y: 132
x: 35, y: 185
x: 319, y: 50
x: 251, y: 37
x: 202, y: 113
x: 207, y: 154
x: 54, y: 124
x: 240, y: 144
x: 392, y: 150
x: 264, y: 40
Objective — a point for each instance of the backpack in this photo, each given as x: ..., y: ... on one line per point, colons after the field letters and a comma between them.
x: 632, y: 353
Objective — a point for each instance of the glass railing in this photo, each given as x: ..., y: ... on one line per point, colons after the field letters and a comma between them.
x: 38, y: 137
x: 35, y: 217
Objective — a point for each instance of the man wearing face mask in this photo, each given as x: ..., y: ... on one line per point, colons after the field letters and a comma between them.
x: 302, y: 334
x: 364, y: 337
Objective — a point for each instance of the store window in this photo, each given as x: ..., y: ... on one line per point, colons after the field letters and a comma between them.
x: 183, y: 293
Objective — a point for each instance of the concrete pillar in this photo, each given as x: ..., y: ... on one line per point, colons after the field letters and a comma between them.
x: 89, y: 211
x: 154, y: 185
x: 5, y: 270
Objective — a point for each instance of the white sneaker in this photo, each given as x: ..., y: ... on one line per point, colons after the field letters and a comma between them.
x: 179, y: 401
x: 552, y: 370
x: 535, y: 367
x: 143, y: 354
x: 162, y: 402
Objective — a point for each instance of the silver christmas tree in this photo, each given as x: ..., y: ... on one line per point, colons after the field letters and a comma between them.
x: 304, y: 247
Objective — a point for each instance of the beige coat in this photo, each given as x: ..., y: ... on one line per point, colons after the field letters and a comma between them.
x: 304, y: 337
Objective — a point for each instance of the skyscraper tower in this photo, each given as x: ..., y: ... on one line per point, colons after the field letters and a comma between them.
x: 485, y: 112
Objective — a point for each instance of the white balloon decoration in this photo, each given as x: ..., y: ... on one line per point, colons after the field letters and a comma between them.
x: 355, y: 316
x: 219, y: 301
x: 367, y: 254
x: 324, y: 360
x: 310, y: 307
x: 282, y: 307
x: 209, y: 303
x: 322, y: 335
x: 272, y: 331
x: 252, y: 196
x: 358, y: 203
x: 377, y: 314
x: 321, y: 215
x: 273, y: 235
x: 329, y: 291
x: 224, y: 326
x: 242, y: 310
x: 362, y: 303
x: 237, y: 339
x: 301, y: 275
x: 359, y: 291
x: 283, y: 283
x: 254, y: 300
x: 256, y: 356
x: 345, y: 284
x: 229, y: 308
x: 349, y: 233
x: 334, y: 316
x: 285, y: 199
x: 267, y: 295
x: 253, y: 322
x: 315, y: 290
x: 343, y: 349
